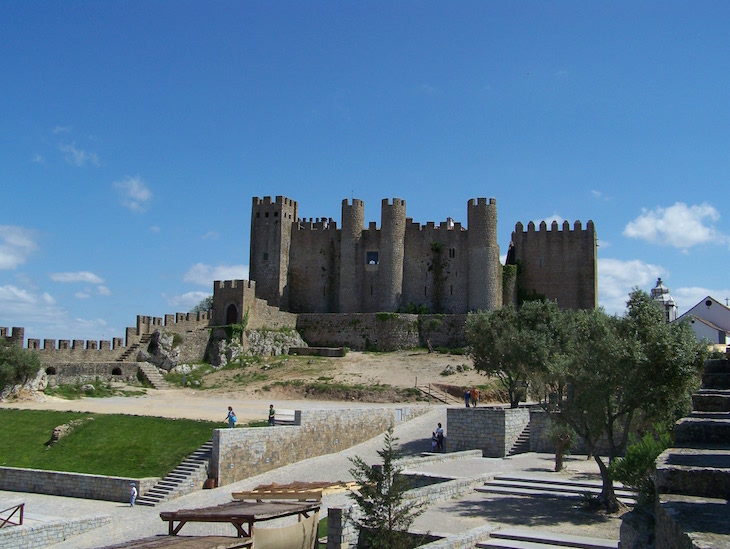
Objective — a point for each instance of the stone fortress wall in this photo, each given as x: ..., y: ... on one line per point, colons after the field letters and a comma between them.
x: 312, y: 266
x: 560, y: 264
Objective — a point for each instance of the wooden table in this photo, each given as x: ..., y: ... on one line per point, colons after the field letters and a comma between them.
x: 185, y: 542
x: 241, y: 514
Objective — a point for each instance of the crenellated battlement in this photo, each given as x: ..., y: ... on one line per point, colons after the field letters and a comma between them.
x: 230, y: 284
x: 448, y: 225
x: 318, y: 224
x: 279, y: 200
x: 555, y: 227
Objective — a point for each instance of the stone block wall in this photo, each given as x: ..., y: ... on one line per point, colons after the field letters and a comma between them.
x: 75, y: 485
x: 379, y: 331
x: 493, y: 430
x: 88, y: 372
x: 241, y: 453
x: 36, y: 536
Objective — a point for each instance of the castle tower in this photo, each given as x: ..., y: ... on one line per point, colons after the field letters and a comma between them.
x: 353, y: 222
x: 484, y: 284
x: 271, y: 227
x: 558, y: 264
x: 392, y: 250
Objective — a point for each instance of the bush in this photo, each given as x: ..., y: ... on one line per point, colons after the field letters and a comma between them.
x: 636, y: 468
x: 16, y: 365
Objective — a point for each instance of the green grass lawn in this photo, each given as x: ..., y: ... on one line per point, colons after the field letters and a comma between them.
x: 114, y: 445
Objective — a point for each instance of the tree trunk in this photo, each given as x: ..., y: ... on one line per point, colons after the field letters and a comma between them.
x: 560, y: 445
x: 608, y: 496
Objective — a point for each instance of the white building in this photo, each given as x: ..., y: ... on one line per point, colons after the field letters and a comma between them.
x: 710, y: 320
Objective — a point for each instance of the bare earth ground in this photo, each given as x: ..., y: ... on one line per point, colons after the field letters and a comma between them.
x: 283, y: 381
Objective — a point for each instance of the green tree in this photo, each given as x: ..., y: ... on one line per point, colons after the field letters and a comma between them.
x: 517, y: 345
x: 624, y: 371
x: 203, y: 306
x: 17, y: 365
x: 385, y: 513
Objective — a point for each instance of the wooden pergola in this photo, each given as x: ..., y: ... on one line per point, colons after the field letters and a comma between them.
x: 241, y: 514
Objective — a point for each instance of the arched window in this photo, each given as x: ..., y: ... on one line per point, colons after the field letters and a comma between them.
x: 50, y: 371
x: 117, y: 371
x: 231, y: 314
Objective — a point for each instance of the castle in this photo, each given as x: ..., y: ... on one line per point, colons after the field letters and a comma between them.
x: 312, y: 266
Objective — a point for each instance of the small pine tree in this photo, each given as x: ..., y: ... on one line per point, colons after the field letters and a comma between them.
x: 385, y: 515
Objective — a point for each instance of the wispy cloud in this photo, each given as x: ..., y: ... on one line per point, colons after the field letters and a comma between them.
x: 680, y: 226
x: 134, y: 193
x: 78, y: 157
x: 38, y: 159
x: 205, y: 275
x: 210, y: 235
x: 616, y: 278
x: 16, y: 244
x: 186, y: 301
x: 79, y: 276
x: 61, y: 129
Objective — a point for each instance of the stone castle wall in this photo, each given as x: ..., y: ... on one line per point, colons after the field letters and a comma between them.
x: 562, y: 265
x: 493, y: 430
x: 88, y: 372
x: 380, y: 331
x: 316, y: 267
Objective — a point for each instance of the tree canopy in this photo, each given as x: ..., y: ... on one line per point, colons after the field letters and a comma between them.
x: 17, y: 365
x: 607, y: 375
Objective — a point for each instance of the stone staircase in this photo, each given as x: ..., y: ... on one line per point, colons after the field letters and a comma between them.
x: 693, y: 478
x: 185, y: 478
x: 522, y: 444
x: 130, y: 351
x: 542, y: 487
x: 152, y: 374
x: 509, y: 538
x: 434, y: 393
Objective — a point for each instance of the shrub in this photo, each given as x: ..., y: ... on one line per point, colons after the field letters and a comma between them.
x: 16, y: 364
x: 635, y: 469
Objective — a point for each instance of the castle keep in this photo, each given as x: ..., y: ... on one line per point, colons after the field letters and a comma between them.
x: 312, y: 266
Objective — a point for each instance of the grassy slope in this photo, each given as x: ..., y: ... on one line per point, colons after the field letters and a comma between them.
x: 115, y: 445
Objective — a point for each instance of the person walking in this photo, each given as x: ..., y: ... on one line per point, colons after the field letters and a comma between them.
x: 272, y: 415
x: 132, y: 494
x: 231, y: 417
x: 439, y: 438
x: 467, y: 398
x: 474, y: 397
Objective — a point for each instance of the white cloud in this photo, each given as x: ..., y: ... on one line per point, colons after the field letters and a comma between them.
x: 205, y: 275
x: 186, y: 301
x: 78, y: 157
x: 680, y: 226
x: 61, y: 129
x: 616, y: 278
x: 42, y: 318
x: 210, y: 235
x: 155, y: 229
x: 82, y: 295
x: 16, y: 244
x: 687, y: 298
x: 103, y: 290
x: 134, y: 193
x: 79, y: 276
x: 549, y: 221
x: 38, y: 159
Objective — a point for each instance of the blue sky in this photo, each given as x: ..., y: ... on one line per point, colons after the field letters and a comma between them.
x: 134, y: 134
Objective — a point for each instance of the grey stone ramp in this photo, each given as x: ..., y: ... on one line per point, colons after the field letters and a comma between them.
x: 531, y: 539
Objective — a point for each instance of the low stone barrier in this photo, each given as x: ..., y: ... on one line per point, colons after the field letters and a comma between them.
x: 48, y: 533
x: 242, y: 453
x: 75, y: 485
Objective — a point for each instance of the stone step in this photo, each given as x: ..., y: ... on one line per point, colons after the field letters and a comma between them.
x: 691, y: 521
x: 545, y: 492
x: 515, y: 538
x: 711, y: 400
x: 560, y: 482
x: 569, y: 488
x: 716, y: 381
x: 692, y: 430
x: 717, y: 367
x: 694, y: 472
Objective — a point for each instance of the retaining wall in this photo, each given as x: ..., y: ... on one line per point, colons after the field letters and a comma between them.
x: 88, y: 372
x: 242, y: 453
x: 48, y: 533
x: 493, y: 430
x: 75, y: 485
x: 380, y: 331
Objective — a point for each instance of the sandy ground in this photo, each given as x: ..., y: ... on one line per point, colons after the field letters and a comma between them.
x: 251, y: 399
